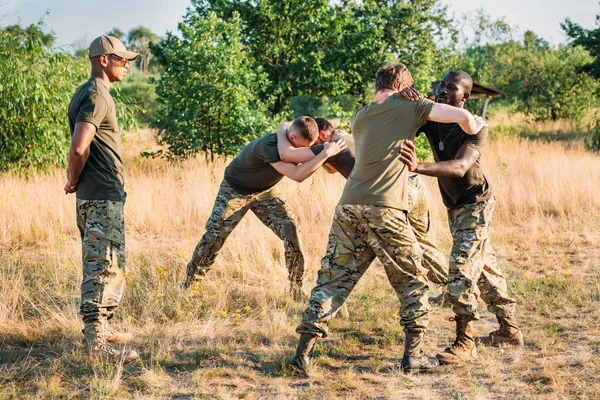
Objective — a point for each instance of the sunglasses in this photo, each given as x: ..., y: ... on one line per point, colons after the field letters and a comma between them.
x: 121, y: 62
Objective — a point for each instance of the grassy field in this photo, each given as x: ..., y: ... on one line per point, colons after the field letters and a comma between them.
x: 231, y: 337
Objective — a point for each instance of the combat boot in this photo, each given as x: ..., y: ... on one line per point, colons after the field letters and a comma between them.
x: 414, y: 358
x: 116, y: 337
x: 509, y: 333
x: 463, y: 350
x: 301, y: 360
x: 96, y: 343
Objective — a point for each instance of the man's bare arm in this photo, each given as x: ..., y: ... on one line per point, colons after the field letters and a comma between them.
x: 289, y: 153
x: 300, y: 172
x: 444, y: 113
x: 78, y: 154
x: 457, y: 168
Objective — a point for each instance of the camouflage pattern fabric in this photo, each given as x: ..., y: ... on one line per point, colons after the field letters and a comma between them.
x: 473, y: 268
x: 418, y: 217
x: 230, y: 207
x: 360, y: 233
x: 102, y: 230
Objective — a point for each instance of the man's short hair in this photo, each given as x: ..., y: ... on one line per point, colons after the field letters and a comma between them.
x: 465, y: 79
x: 307, y: 127
x: 393, y: 76
x: 324, y: 125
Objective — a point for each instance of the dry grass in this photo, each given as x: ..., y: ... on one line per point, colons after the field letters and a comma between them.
x: 231, y: 336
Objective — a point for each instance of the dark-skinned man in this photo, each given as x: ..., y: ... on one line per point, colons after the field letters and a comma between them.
x: 249, y: 185
x: 468, y: 197
x: 96, y: 173
x: 371, y: 220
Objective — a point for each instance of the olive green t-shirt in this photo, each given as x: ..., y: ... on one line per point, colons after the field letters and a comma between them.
x: 102, y: 174
x: 251, y: 171
x: 379, y: 176
x: 473, y: 187
x: 343, y: 161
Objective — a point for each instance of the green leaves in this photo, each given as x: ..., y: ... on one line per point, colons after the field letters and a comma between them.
x: 34, y: 96
x: 208, y: 93
x: 37, y: 85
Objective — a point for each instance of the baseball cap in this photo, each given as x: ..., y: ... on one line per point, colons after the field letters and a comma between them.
x: 110, y: 45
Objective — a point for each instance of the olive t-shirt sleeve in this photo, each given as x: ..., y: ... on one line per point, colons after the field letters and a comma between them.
x: 93, y: 110
x: 477, y: 141
x: 267, y: 151
x: 422, y: 110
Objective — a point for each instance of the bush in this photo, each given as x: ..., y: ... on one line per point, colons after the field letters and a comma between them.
x: 36, y: 87
x: 593, y: 143
x: 35, y: 91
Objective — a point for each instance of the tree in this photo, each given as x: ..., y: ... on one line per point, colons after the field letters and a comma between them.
x: 588, y: 39
x: 140, y: 39
x: 368, y: 34
x: 539, y: 80
x: 119, y: 34
x: 322, y: 48
x: 208, y: 91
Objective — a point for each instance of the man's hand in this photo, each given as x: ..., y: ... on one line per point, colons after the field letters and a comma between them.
x: 409, y: 156
x: 479, y: 123
x: 338, y: 133
x: 332, y: 148
x: 411, y: 94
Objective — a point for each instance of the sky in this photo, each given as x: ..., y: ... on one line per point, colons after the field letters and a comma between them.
x: 78, y: 22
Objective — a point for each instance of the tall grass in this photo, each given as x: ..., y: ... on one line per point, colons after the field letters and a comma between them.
x: 546, y: 222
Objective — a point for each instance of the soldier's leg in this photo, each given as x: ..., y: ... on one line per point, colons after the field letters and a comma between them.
x: 227, y: 212
x: 278, y: 216
x: 418, y: 216
x: 394, y: 243
x: 492, y: 284
x: 466, y: 258
x: 348, y: 257
x: 494, y: 292
x: 102, y: 225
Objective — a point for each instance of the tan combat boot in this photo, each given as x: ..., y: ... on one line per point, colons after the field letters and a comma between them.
x: 463, y: 350
x: 116, y: 337
x: 96, y: 343
x: 509, y: 333
x: 414, y: 358
x: 301, y: 360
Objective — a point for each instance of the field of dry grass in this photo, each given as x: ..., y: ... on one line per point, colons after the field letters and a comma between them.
x: 230, y: 338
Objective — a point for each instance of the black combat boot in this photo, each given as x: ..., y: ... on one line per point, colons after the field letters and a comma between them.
x: 414, y: 358
x: 301, y: 360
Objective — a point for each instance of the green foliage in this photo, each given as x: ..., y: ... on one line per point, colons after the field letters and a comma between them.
x: 593, y: 143
x: 539, y: 80
x: 140, y: 92
x: 327, y: 48
x: 35, y: 91
x: 208, y: 91
x: 589, y: 40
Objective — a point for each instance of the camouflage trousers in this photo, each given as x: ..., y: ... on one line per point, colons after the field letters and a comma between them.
x: 229, y: 209
x: 418, y: 217
x: 473, y: 271
x: 360, y: 233
x: 101, y: 225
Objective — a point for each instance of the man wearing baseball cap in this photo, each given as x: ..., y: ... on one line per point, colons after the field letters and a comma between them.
x: 95, y: 173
